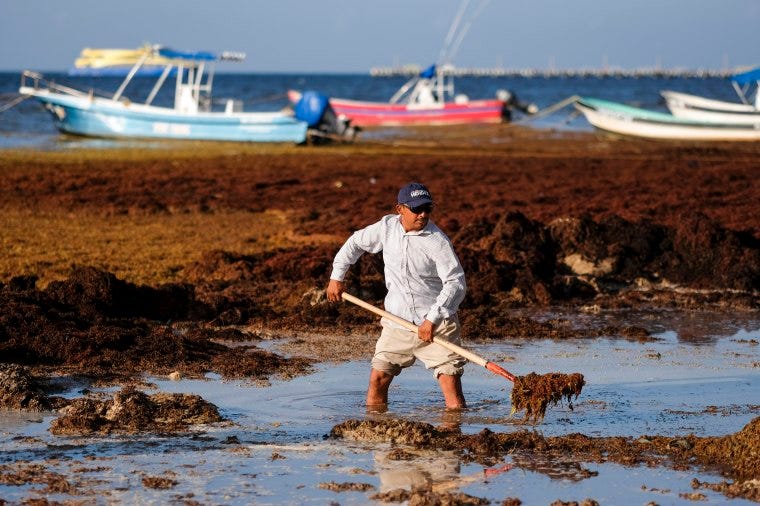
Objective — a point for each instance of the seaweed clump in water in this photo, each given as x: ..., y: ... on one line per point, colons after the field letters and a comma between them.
x: 534, y: 393
x: 131, y: 411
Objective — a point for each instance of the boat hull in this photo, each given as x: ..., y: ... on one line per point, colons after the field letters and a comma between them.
x: 630, y: 121
x: 697, y: 108
x: 98, y: 117
x: 381, y: 114
x: 377, y: 114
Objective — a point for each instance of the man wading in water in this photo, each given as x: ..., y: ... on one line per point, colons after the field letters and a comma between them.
x: 425, y: 284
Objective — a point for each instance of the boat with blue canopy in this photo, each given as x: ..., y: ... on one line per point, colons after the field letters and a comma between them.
x: 746, y: 111
x: 191, y: 117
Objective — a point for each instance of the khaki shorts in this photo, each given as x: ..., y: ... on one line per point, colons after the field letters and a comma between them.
x: 399, y: 348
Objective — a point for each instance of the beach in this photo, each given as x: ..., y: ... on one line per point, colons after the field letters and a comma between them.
x: 207, y: 262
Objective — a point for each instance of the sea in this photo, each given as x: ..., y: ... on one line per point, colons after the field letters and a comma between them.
x: 24, y: 123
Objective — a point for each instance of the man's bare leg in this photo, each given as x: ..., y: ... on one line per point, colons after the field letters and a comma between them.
x: 377, y: 393
x: 451, y: 386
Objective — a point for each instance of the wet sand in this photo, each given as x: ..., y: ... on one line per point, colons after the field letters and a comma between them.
x: 123, y: 266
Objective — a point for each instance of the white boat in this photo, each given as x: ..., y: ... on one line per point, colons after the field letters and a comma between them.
x: 83, y: 113
x: 631, y: 121
x: 684, y: 105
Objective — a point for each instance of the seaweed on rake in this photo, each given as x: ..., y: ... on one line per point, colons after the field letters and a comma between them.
x: 534, y: 393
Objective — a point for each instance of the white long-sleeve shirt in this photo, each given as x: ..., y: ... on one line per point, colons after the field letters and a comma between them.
x: 422, y: 273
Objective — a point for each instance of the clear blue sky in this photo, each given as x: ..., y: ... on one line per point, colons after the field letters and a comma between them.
x: 355, y: 35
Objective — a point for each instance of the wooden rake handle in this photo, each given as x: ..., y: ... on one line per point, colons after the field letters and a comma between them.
x: 472, y: 357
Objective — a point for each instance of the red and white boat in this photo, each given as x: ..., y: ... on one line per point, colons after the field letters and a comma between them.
x: 427, y: 99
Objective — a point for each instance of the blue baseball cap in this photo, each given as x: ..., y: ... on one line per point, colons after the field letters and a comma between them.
x: 414, y: 194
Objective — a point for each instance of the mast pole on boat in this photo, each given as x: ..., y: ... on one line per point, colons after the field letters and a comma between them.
x: 131, y: 74
x: 159, y: 84
x: 442, y: 56
x: 454, y: 37
x: 466, y: 28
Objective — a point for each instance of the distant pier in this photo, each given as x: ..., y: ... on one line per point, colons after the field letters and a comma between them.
x: 412, y: 70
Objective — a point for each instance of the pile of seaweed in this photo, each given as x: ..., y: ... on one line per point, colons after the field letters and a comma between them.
x: 131, y: 411
x: 511, y: 257
x: 110, y: 330
x: 510, y: 261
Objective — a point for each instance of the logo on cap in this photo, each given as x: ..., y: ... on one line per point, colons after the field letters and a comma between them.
x: 414, y: 194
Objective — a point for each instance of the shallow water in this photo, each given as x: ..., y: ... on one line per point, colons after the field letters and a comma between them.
x: 275, y: 452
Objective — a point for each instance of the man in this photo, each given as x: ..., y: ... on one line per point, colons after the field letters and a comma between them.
x: 425, y: 284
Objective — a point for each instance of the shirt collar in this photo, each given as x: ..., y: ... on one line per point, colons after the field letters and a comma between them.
x: 425, y: 231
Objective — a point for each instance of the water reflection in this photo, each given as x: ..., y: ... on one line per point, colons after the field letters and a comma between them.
x: 434, y: 470
x: 553, y: 467
x: 415, y: 469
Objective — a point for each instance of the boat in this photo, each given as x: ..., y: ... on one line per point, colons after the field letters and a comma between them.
x: 93, y: 62
x: 632, y: 121
x: 684, y: 105
x: 191, y: 117
x: 427, y: 99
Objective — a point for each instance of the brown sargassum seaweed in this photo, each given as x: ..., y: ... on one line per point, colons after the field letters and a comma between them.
x: 534, y: 393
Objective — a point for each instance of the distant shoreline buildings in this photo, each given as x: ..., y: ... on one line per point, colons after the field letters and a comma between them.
x: 411, y: 70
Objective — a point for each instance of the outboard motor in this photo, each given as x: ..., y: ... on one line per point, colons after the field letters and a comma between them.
x: 512, y: 102
x: 324, y: 125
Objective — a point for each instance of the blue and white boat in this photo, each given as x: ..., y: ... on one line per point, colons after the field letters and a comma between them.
x: 83, y: 113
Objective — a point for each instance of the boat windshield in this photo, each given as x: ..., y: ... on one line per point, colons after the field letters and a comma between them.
x: 431, y: 86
